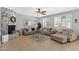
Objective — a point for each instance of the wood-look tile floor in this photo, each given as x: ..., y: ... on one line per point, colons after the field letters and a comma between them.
x: 26, y: 43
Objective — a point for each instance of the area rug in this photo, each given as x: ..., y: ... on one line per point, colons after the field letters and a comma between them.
x: 39, y: 37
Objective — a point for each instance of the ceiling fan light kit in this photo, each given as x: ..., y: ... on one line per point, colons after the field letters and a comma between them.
x: 39, y: 12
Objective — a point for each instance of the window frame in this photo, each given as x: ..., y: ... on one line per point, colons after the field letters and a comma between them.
x: 58, y: 19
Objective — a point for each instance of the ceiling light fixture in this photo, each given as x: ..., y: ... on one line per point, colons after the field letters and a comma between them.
x: 39, y: 12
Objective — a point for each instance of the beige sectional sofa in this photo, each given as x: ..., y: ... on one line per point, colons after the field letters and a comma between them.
x: 59, y: 38
x: 65, y: 35
x: 46, y: 31
x: 70, y: 34
x: 26, y: 31
x: 59, y: 35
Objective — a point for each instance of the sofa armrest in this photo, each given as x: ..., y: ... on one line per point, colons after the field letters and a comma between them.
x: 72, y: 37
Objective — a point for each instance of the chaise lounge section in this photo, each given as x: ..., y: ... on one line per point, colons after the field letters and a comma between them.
x: 64, y: 35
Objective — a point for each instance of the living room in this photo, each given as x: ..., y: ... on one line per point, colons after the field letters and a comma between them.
x: 48, y: 25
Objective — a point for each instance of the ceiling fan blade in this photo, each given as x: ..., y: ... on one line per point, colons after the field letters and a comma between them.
x: 40, y: 11
x: 44, y: 11
x: 35, y: 11
x: 44, y: 14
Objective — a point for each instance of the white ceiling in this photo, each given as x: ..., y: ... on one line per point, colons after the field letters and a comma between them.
x: 50, y: 10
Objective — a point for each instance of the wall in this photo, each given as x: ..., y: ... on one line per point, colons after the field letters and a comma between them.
x: 75, y: 26
x: 21, y: 20
x: 33, y: 21
x: 0, y: 21
x: 49, y: 20
x: 0, y: 25
x: 74, y: 15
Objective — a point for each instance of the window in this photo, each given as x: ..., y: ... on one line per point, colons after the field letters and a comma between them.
x: 29, y: 22
x: 62, y: 21
x: 47, y: 22
x: 44, y: 22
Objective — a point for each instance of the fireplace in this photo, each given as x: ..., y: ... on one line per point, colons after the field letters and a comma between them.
x: 11, y: 29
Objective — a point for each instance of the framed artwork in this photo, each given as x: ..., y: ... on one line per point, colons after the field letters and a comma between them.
x: 76, y: 20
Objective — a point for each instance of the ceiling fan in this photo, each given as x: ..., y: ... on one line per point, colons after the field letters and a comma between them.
x: 40, y: 12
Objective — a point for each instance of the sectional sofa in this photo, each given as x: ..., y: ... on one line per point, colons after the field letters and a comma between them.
x: 59, y: 35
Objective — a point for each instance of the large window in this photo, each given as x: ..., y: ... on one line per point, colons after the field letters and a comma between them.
x: 47, y: 22
x: 29, y: 23
x: 44, y: 22
x: 62, y: 21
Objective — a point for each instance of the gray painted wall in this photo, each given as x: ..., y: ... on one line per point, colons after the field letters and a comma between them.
x: 21, y: 20
x: 0, y: 25
x: 75, y: 26
x: 0, y: 21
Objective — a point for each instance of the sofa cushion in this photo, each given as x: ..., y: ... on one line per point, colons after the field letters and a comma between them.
x: 32, y: 29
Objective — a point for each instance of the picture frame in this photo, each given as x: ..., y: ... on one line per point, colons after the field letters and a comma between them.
x: 76, y: 20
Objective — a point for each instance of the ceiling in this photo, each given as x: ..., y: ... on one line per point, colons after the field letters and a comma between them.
x: 30, y: 11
